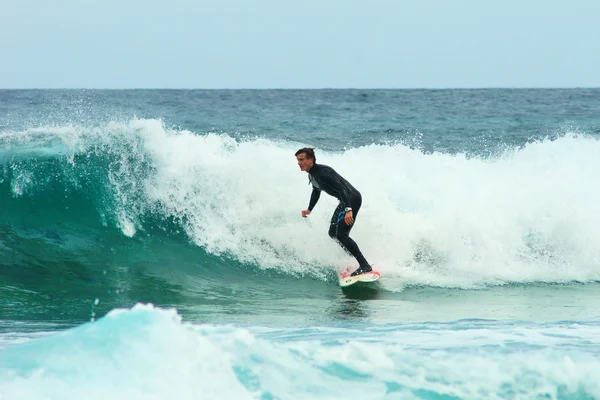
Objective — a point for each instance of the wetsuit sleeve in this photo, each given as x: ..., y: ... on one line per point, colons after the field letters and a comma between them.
x: 314, y: 197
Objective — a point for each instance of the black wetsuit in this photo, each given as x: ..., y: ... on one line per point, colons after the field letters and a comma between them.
x: 324, y: 178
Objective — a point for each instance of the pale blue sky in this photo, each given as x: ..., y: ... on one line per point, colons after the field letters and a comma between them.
x: 299, y: 44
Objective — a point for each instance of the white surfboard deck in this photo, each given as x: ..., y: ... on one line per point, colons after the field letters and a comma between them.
x: 347, y: 280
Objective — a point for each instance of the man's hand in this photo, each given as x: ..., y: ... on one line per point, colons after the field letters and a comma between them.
x: 305, y: 213
x: 348, y: 219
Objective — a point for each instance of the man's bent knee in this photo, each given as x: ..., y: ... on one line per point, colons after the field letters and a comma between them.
x: 337, y: 234
x: 333, y: 232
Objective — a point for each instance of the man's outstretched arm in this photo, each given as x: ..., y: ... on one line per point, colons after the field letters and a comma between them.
x: 314, y: 197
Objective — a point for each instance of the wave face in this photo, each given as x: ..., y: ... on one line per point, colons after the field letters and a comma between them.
x: 432, y: 219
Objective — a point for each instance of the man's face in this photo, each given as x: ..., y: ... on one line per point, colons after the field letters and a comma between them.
x: 304, y: 163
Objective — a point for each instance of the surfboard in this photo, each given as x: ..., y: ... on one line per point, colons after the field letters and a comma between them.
x: 347, y: 280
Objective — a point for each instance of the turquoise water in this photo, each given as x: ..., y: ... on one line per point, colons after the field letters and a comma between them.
x: 151, y: 245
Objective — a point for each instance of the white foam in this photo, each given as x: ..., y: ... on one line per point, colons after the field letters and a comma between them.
x: 437, y: 219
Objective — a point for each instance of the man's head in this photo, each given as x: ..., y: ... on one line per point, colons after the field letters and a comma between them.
x: 306, y: 158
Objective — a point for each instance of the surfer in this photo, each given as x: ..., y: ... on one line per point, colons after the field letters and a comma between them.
x: 325, y: 178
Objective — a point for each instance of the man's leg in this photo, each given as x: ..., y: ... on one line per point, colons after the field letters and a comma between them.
x: 339, y: 231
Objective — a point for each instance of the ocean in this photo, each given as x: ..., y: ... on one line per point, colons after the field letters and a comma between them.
x: 152, y: 245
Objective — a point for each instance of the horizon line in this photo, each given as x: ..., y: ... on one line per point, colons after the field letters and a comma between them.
x: 316, y: 88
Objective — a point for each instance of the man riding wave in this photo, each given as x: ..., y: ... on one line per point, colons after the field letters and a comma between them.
x: 326, y: 179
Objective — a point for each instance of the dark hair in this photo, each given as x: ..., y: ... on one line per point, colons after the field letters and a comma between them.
x: 309, y: 151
